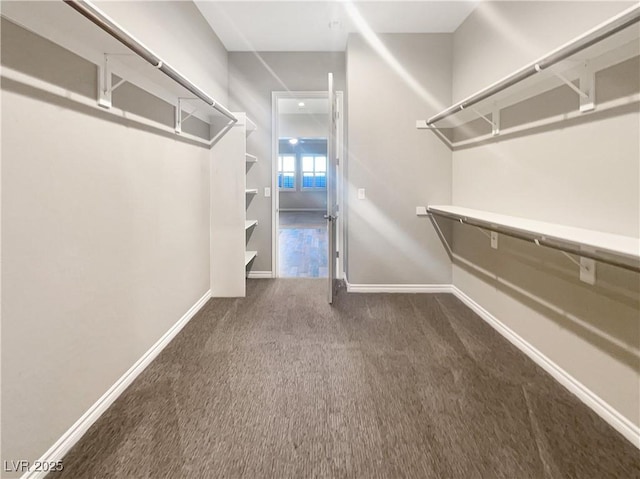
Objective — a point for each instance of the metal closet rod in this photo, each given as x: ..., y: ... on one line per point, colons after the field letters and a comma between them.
x: 618, y: 23
x: 539, y: 240
x: 95, y: 15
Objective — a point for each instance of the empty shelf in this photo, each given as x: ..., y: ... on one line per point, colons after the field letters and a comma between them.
x: 251, y: 191
x: 619, y: 250
x: 249, y: 223
x: 248, y: 256
x: 251, y: 158
x: 250, y: 126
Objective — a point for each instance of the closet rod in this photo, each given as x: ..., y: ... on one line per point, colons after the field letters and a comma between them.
x: 538, y: 239
x: 98, y: 17
x: 611, y: 27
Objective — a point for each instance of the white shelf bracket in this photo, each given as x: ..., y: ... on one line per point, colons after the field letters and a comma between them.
x: 494, y: 122
x: 178, y: 114
x: 586, y: 90
x: 105, y: 87
x: 104, y: 83
x: 588, y: 85
x: 587, y: 268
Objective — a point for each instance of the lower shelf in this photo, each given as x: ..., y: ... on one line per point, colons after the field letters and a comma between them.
x: 248, y: 256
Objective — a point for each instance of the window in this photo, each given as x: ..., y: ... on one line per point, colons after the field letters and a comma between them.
x: 314, y: 171
x: 287, y: 172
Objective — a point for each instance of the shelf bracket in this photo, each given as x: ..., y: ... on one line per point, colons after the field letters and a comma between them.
x: 105, y: 87
x: 104, y: 83
x: 178, y: 115
x: 494, y: 122
x: 585, y: 90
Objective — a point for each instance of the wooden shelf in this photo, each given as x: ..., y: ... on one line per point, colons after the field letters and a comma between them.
x: 249, y: 223
x: 251, y: 158
x: 248, y: 256
x: 619, y: 250
x: 610, y: 43
x: 251, y: 192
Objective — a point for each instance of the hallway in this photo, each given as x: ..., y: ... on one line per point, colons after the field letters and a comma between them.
x: 302, y: 244
x: 281, y: 385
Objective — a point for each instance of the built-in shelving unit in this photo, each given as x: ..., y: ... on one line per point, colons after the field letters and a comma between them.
x: 618, y: 250
x: 87, y: 31
x: 250, y: 160
x: 573, y: 64
x: 230, y: 227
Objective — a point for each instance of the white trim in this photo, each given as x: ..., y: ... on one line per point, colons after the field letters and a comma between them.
x: 302, y: 209
x: 260, y: 275
x: 398, y: 288
x: 275, y: 197
x: 588, y: 397
x: 75, y: 432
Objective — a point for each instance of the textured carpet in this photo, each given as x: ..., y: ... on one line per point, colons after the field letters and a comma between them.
x: 281, y: 385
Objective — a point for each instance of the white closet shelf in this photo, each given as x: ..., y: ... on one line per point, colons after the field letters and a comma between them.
x: 248, y: 256
x: 251, y: 191
x: 622, y: 251
x: 251, y: 126
x: 251, y: 158
x: 87, y: 31
x: 249, y: 223
x: 605, y: 45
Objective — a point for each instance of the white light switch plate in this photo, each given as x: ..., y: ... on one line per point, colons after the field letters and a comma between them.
x: 361, y: 195
x: 267, y: 192
x: 421, y: 211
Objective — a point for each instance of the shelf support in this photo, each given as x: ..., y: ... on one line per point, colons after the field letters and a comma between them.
x: 104, y: 83
x: 105, y: 88
x: 494, y: 122
x: 178, y: 116
x: 586, y: 89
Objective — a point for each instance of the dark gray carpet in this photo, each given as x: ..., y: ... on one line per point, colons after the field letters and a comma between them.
x: 281, y: 385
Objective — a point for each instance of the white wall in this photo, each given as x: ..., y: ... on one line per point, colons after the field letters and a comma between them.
x: 583, y: 173
x: 105, y: 227
x: 399, y: 167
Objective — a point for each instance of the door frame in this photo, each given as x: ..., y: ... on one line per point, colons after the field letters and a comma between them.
x: 275, y: 194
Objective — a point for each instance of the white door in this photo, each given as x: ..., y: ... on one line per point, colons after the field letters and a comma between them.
x: 332, y: 211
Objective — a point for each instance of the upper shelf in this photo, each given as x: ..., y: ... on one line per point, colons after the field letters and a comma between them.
x: 251, y: 158
x: 607, y: 44
x: 112, y: 48
x: 623, y: 251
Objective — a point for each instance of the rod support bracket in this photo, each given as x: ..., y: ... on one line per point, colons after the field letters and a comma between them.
x: 104, y: 83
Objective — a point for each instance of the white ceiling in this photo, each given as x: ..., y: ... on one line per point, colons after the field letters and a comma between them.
x: 305, y: 25
x: 291, y: 106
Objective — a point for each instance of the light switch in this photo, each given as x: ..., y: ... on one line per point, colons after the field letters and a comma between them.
x: 494, y: 240
x: 361, y: 195
x: 267, y: 192
x: 421, y: 211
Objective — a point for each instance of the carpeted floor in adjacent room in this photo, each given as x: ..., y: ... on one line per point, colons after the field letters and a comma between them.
x: 281, y: 385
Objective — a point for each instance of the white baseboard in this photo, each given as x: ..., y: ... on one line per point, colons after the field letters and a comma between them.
x: 397, y: 288
x: 75, y: 432
x: 588, y: 397
x: 260, y: 275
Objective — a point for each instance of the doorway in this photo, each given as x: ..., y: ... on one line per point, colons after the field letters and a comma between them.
x: 300, y: 142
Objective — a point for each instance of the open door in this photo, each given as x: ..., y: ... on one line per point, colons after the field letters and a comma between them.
x: 332, y: 210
